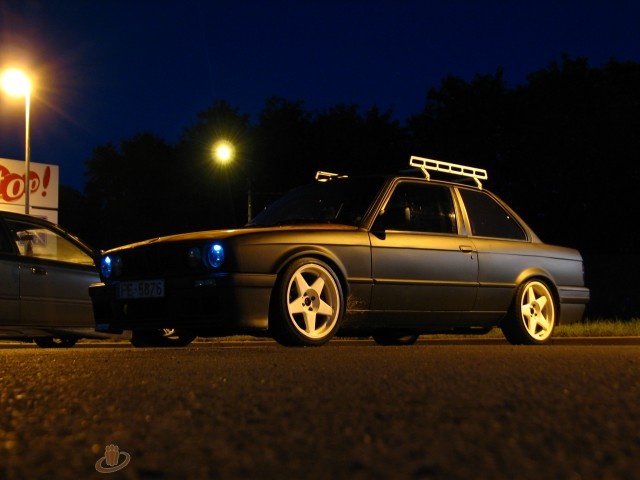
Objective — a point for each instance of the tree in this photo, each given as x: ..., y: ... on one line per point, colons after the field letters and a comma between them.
x: 347, y: 142
x: 215, y: 191
x: 463, y: 122
x: 131, y: 191
x: 576, y: 141
x: 283, y: 144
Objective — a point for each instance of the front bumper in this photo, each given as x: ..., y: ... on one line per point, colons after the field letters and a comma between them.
x: 225, y: 304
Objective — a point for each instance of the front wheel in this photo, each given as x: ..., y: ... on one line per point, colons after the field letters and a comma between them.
x: 532, y: 316
x: 55, y: 342
x: 308, y: 304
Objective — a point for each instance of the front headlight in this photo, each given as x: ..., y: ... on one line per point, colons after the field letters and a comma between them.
x: 214, y: 255
x: 110, y: 266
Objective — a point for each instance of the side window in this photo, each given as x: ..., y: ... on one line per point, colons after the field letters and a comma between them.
x: 5, y: 245
x: 421, y: 207
x: 488, y: 218
x: 34, y: 240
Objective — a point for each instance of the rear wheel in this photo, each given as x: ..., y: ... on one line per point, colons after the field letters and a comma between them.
x: 394, y: 337
x: 55, y: 342
x: 167, y: 337
x: 308, y: 304
x: 532, y: 316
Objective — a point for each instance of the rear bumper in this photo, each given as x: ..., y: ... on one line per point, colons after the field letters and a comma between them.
x: 573, y: 302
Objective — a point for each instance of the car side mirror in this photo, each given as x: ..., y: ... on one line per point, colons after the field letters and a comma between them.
x: 398, y: 218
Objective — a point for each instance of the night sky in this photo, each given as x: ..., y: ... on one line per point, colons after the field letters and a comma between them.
x: 105, y: 70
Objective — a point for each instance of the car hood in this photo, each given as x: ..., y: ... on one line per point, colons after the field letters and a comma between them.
x: 224, y: 234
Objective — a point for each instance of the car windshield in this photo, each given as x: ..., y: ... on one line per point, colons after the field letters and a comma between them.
x: 342, y: 201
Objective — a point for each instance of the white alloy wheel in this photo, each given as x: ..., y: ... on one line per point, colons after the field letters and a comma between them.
x: 533, y: 317
x: 311, y: 305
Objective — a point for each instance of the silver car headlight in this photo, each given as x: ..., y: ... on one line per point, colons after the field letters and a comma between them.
x: 194, y: 257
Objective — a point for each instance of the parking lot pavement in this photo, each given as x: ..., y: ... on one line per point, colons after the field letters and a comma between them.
x: 425, y: 339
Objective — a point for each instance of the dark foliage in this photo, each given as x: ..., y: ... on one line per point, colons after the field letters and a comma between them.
x: 559, y: 148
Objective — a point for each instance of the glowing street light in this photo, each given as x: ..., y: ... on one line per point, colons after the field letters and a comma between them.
x: 224, y: 152
x: 17, y: 84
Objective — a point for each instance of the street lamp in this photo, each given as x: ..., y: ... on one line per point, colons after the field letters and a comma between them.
x: 17, y: 84
x: 224, y: 152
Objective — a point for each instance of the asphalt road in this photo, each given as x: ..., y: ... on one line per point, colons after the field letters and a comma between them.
x: 348, y: 410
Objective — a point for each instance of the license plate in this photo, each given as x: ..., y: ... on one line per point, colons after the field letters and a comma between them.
x: 142, y: 289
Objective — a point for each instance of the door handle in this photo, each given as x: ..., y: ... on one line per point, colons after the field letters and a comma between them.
x: 38, y: 270
x: 466, y: 248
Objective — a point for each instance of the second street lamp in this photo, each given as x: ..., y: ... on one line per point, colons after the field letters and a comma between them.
x: 224, y: 152
x: 16, y: 83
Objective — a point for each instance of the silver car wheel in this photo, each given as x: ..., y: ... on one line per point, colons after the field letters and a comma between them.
x: 55, y: 342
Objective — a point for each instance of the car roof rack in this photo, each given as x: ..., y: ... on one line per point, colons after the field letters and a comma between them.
x: 322, y: 176
x: 426, y: 164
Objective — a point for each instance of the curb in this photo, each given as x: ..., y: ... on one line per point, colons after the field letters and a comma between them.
x: 554, y: 341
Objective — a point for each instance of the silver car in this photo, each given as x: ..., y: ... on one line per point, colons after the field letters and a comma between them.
x: 45, y: 272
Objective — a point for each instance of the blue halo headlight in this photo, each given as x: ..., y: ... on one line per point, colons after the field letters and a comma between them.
x: 214, y: 255
x: 105, y: 266
x: 110, y: 266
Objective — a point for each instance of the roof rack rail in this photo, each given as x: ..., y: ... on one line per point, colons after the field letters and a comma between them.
x: 426, y: 164
x: 322, y: 176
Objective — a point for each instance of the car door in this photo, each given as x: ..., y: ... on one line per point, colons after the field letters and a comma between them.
x: 9, y: 281
x: 504, y: 249
x: 419, y: 262
x: 54, y: 277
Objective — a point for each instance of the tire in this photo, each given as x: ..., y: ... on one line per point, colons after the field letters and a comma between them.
x: 167, y: 337
x: 308, y: 304
x: 394, y: 337
x: 55, y: 342
x: 532, y: 316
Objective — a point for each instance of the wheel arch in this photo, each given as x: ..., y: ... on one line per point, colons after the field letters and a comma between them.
x: 318, y: 253
x: 537, y: 274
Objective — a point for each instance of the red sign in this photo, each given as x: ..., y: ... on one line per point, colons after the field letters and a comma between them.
x: 43, y: 184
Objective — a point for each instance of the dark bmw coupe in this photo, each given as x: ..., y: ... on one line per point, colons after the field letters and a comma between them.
x: 391, y: 257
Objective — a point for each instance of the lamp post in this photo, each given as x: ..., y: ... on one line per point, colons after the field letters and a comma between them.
x: 224, y: 152
x: 16, y: 83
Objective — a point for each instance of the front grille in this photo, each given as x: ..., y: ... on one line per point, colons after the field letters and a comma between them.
x: 159, y: 260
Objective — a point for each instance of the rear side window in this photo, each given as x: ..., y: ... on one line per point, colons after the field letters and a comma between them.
x: 488, y: 218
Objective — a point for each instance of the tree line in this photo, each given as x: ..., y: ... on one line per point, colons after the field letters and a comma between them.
x: 561, y: 149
